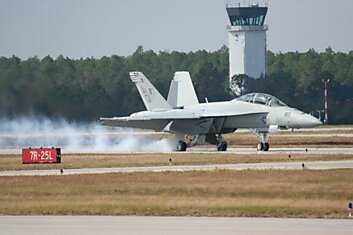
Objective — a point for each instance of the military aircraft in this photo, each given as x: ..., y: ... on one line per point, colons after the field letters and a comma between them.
x: 201, y: 123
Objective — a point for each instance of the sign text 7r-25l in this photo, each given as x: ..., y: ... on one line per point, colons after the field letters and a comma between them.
x: 41, y: 155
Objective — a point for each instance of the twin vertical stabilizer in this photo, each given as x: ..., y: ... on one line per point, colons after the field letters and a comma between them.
x: 152, y: 99
x: 181, y: 91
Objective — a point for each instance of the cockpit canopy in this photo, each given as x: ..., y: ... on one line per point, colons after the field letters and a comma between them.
x: 261, y: 98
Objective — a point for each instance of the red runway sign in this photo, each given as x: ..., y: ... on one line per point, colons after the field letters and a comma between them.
x: 41, y: 155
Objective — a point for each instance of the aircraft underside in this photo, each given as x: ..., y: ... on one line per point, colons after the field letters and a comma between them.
x: 187, y: 141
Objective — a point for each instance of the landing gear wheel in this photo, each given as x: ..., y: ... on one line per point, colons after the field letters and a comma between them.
x: 222, y: 146
x: 263, y: 147
x: 266, y: 147
x: 181, y: 146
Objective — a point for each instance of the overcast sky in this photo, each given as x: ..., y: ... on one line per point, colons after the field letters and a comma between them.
x: 85, y: 28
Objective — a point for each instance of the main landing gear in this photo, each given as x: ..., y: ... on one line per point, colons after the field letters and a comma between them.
x: 222, y: 146
x: 221, y: 143
x: 193, y: 140
x: 181, y: 146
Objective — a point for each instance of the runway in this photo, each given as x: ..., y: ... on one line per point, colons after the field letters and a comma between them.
x: 314, y: 165
x: 212, y: 149
x: 133, y: 225
x: 275, y: 150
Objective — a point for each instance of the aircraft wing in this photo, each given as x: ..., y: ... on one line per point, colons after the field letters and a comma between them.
x: 143, y: 123
x: 190, y: 122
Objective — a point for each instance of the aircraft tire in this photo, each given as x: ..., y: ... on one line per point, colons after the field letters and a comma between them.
x: 181, y: 146
x: 266, y: 147
x: 222, y: 146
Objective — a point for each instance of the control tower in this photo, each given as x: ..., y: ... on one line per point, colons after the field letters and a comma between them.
x: 247, y: 40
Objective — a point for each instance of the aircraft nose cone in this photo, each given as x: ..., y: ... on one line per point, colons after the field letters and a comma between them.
x: 310, y: 121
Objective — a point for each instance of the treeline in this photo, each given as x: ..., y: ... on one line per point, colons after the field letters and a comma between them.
x: 297, y: 79
x: 86, y: 89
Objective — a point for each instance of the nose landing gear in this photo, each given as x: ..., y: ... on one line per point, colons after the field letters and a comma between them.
x: 263, y: 147
x: 263, y: 139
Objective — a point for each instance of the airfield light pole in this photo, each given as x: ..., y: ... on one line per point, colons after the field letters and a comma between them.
x: 326, y: 110
x: 320, y: 111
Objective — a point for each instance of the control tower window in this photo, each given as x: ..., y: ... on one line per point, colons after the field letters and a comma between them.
x: 240, y: 16
x: 245, y: 20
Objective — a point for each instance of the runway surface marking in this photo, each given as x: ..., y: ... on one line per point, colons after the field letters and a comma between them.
x: 315, y: 165
x: 132, y: 225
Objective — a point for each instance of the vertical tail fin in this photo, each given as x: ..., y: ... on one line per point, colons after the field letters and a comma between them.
x: 152, y: 99
x: 181, y: 91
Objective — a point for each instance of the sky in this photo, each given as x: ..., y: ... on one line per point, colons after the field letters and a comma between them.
x: 96, y: 28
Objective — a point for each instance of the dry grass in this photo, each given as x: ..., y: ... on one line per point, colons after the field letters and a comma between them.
x: 216, y: 193
x: 14, y: 162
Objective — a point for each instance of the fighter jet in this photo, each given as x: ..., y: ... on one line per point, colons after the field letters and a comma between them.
x: 195, y: 123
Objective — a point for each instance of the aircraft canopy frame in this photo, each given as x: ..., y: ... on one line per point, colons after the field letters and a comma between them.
x: 262, y: 98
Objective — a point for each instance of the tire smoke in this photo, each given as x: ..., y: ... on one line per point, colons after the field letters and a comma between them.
x: 24, y: 132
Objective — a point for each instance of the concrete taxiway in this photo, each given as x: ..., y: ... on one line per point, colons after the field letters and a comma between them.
x: 131, y: 225
x: 314, y: 165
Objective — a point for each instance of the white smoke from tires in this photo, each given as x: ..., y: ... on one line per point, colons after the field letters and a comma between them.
x: 24, y: 132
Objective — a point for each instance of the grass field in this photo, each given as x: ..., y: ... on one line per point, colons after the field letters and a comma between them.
x: 216, y: 193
